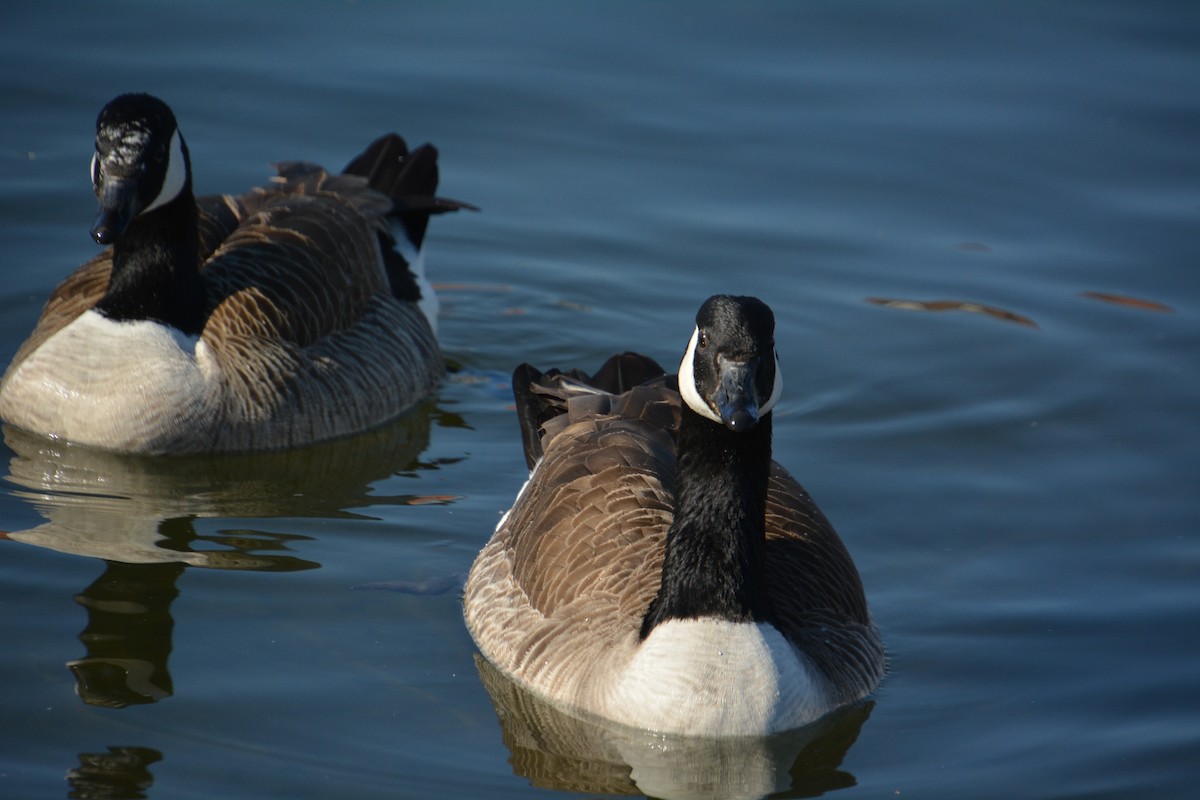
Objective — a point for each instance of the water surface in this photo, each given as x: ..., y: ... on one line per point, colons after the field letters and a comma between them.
x: 977, y: 225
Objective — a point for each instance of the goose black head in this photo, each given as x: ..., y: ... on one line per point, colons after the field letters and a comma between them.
x: 730, y: 372
x: 141, y: 162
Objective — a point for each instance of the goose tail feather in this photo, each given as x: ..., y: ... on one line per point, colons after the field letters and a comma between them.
x: 408, y: 178
x: 543, y: 396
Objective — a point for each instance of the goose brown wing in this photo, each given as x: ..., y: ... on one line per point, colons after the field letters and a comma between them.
x: 588, y: 530
x: 297, y: 270
x: 816, y: 591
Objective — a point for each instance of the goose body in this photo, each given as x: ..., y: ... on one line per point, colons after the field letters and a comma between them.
x: 658, y: 569
x: 288, y: 315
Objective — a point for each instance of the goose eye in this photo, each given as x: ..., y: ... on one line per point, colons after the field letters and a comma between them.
x: 702, y: 342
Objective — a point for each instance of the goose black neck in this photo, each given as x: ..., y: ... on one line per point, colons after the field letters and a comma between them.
x: 156, y: 268
x: 714, y: 565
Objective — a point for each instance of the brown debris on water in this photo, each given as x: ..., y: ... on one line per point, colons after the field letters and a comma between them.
x: 954, y: 305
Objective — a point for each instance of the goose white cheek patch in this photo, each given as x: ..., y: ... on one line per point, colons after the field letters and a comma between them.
x: 176, y: 175
x: 687, y: 382
x: 776, y: 388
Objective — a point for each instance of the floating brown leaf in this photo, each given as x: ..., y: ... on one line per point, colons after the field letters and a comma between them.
x: 430, y: 499
x: 1131, y: 302
x: 954, y: 305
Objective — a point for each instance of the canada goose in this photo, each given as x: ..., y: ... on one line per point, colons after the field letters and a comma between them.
x: 283, y: 316
x: 658, y: 569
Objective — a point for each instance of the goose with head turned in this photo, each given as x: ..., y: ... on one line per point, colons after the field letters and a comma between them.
x: 658, y: 569
x: 288, y: 315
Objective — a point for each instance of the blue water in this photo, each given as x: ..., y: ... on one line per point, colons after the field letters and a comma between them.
x: 1014, y: 469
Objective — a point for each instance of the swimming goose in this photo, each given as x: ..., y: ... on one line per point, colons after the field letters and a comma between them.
x: 280, y: 317
x: 658, y: 569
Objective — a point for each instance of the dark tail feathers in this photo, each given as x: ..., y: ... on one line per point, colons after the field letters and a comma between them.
x: 543, y: 396
x: 410, y: 179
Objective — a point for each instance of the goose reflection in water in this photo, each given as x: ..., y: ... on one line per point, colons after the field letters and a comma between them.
x: 554, y: 749
x: 128, y: 635
x: 138, y: 516
x: 122, y: 772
